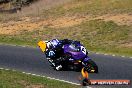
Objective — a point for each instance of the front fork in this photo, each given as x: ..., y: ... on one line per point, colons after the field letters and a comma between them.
x: 84, y: 62
x: 87, y: 65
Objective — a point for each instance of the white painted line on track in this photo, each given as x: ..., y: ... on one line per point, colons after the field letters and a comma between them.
x: 63, y: 80
x: 28, y: 73
x: 23, y: 72
x: 1, y: 68
x: 23, y: 46
x: 43, y: 76
x: 38, y: 75
x: 122, y: 56
x: 7, y: 69
x: 52, y: 78
x: 13, y: 70
x: 34, y: 74
x: 105, y: 54
x: 97, y: 53
x: 113, y: 55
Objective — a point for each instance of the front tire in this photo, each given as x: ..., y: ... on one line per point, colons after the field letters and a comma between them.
x: 91, y: 67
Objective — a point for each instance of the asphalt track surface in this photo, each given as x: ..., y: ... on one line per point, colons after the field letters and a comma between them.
x: 32, y: 60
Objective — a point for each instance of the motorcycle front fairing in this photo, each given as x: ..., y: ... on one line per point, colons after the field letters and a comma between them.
x: 78, y: 54
x: 75, y: 52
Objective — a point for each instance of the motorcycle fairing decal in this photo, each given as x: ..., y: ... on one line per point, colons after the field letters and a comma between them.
x: 71, y: 59
x: 51, y: 53
x: 86, y: 59
x: 83, y: 49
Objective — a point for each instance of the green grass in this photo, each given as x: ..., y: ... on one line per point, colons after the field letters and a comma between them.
x: 14, y: 79
x: 96, y: 35
x: 91, y: 7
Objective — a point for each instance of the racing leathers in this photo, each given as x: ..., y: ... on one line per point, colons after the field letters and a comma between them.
x: 55, y: 51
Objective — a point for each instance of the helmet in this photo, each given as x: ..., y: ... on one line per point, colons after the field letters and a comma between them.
x: 48, y: 44
x: 54, y: 42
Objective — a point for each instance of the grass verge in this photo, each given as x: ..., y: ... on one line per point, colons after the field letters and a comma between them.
x: 90, y: 7
x: 14, y: 79
x: 96, y: 35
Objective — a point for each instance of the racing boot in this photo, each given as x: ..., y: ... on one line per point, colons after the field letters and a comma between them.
x: 51, y: 61
x: 58, y: 67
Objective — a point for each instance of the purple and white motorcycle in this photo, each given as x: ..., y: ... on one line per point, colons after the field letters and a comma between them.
x: 76, y: 57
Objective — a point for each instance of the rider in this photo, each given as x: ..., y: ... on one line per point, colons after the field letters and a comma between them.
x: 55, y: 50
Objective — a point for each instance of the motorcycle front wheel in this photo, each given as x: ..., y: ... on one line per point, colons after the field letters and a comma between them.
x: 91, y: 67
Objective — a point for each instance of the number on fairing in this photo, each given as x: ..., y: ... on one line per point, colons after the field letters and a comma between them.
x: 83, y: 49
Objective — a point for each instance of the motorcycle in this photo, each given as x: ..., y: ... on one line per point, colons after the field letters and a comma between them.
x: 73, y: 56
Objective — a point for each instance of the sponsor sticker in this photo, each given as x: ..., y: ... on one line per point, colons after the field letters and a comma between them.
x: 85, y: 81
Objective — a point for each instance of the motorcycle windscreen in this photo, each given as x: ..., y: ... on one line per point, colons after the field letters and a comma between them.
x: 42, y: 45
x: 76, y: 52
